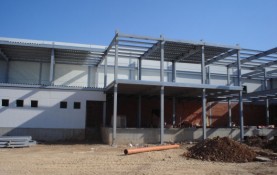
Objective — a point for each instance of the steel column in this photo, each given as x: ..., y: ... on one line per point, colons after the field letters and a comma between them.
x: 139, y: 68
x: 208, y: 79
x: 266, y: 100
x: 173, y: 71
x: 89, y: 76
x: 203, y: 80
x: 139, y: 112
x: 105, y: 71
x: 162, y: 92
x: 116, y: 59
x: 229, y: 100
x: 229, y: 113
x: 228, y: 77
x: 240, y: 97
x: 173, y: 110
x: 52, y: 67
x: 162, y: 63
x: 114, y: 114
x: 162, y: 114
x: 104, y: 113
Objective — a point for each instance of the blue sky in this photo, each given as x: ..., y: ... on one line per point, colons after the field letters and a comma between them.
x: 250, y: 23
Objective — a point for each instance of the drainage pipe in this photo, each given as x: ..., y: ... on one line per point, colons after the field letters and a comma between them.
x: 148, y: 149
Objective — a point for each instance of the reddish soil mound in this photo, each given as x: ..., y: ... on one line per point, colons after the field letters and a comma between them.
x: 221, y: 149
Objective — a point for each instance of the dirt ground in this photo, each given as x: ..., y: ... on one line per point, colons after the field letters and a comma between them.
x: 103, y: 159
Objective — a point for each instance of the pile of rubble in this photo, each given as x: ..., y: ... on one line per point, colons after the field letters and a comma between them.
x: 221, y: 149
x: 256, y: 141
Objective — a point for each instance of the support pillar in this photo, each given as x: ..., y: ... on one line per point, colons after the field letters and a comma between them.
x: 89, y: 76
x: 240, y: 98
x: 162, y: 114
x: 266, y: 100
x: 139, y: 112
x: 229, y: 113
x: 115, y: 93
x: 105, y: 71
x: 208, y: 80
x: 162, y: 92
x: 52, y: 67
x: 139, y: 68
x: 104, y: 113
x: 114, y: 115
x: 203, y: 81
x: 229, y: 100
x: 173, y: 111
x: 173, y: 71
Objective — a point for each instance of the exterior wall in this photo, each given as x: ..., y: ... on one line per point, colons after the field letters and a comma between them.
x: 24, y: 72
x: 71, y: 75
x: 48, y: 114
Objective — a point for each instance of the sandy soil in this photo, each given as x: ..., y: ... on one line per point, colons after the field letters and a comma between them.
x: 104, y: 159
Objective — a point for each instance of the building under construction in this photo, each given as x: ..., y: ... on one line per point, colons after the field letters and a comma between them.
x: 138, y: 89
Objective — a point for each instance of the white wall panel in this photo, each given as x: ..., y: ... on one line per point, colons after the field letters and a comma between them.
x: 71, y: 75
x: 48, y: 114
x: 24, y: 72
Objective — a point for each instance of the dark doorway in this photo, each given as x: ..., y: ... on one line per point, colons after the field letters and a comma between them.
x: 94, y: 114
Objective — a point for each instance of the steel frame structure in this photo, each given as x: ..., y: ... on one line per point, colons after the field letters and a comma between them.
x: 260, y: 65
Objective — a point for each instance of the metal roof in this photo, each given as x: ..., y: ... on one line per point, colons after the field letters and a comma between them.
x: 40, y: 51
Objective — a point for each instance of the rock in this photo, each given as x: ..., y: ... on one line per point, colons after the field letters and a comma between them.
x: 262, y: 159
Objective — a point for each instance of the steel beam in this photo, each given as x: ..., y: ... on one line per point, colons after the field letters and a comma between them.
x: 4, y: 55
x: 257, y: 56
x: 114, y: 115
x: 108, y: 48
x: 221, y: 57
x: 150, y: 50
x: 52, y: 67
x: 188, y: 54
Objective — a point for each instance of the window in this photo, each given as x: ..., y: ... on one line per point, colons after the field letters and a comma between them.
x: 63, y: 104
x: 77, y: 105
x: 19, y: 103
x: 5, y: 102
x: 34, y: 103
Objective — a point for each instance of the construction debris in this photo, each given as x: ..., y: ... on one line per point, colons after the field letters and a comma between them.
x: 272, y: 145
x: 148, y: 149
x: 221, y: 149
x: 255, y: 141
x: 16, y: 141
